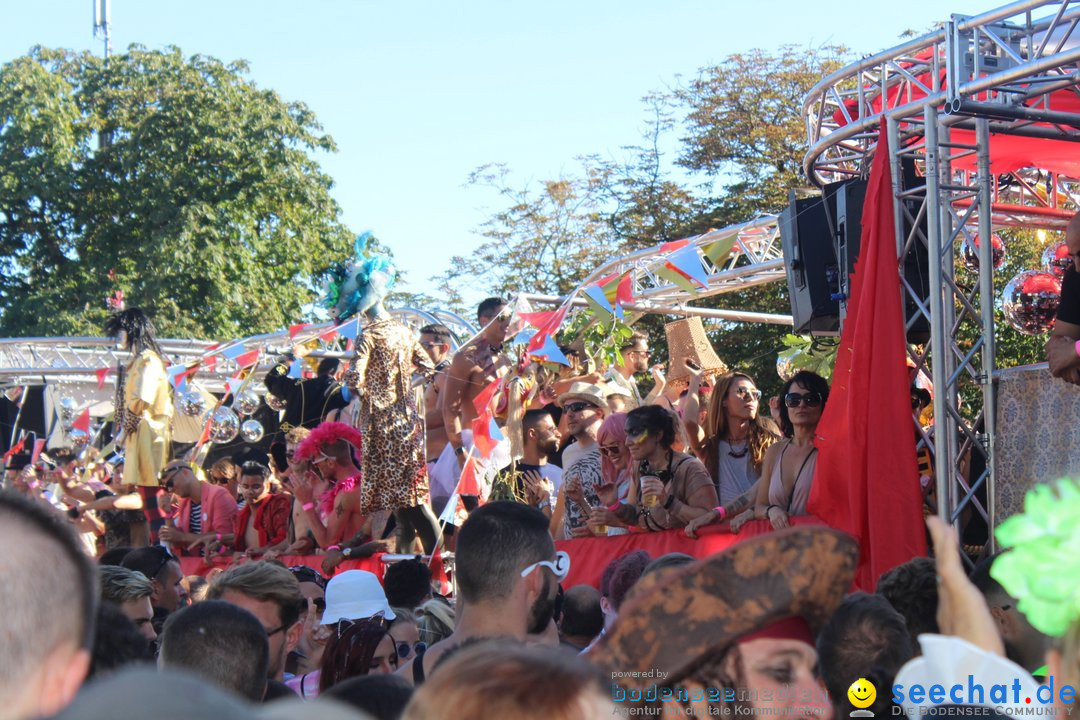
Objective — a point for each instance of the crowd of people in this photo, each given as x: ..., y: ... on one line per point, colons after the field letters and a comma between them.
x: 369, y: 461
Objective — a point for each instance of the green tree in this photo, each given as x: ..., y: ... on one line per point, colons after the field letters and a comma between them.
x: 177, y: 181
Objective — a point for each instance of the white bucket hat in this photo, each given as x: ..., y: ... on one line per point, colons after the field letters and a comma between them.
x: 355, y: 595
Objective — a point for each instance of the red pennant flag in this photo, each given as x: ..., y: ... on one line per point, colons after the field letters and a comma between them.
x: 469, y: 484
x: 210, y: 363
x: 625, y: 293
x: 248, y: 359
x: 483, y: 399
x: 482, y: 440
x: 205, y: 437
x: 438, y: 573
x: 16, y: 448
x: 538, y: 319
x: 39, y: 445
x: 83, y: 421
x: 866, y: 481
x: 101, y: 376
x: 294, y: 330
x: 674, y: 245
x: 329, y: 335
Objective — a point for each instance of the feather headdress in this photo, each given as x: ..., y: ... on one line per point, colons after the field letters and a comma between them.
x: 326, y: 434
x: 348, y: 281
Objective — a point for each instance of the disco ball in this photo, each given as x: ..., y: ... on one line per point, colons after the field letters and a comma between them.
x: 251, y: 430
x: 274, y: 402
x: 1030, y: 301
x: 224, y: 426
x: 191, y: 403
x: 67, y: 409
x: 971, y: 251
x: 79, y: 439
x: 1056, y: 259
x: 246, y: 402
x: 784, y: 367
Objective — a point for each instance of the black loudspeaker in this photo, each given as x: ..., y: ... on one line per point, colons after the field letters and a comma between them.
x: 820, y: 238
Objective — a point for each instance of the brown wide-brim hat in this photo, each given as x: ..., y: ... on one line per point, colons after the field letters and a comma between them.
x: 673, y: 620
x: 687, y: 340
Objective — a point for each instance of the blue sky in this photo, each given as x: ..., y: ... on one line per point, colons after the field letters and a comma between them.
x: 418, y: 94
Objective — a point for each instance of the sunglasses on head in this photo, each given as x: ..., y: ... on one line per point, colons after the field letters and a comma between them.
x: 578, y: 407
x: 810, y: 399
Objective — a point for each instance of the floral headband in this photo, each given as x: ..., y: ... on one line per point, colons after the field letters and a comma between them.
x: 1041, y: 566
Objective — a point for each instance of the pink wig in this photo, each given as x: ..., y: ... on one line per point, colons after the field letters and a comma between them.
x: 326, y: 434
x: 613, y: 430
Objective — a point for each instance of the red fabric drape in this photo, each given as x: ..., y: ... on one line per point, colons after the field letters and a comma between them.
x: 866, y: 482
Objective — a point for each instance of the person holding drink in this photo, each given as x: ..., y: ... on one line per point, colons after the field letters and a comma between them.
x: 669, y: 488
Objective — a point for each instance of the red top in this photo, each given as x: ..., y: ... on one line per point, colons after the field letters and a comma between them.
x: 218, y: 511
x: 271, y: 521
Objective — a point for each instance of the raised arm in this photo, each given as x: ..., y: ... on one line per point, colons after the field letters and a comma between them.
x: 453, y: 395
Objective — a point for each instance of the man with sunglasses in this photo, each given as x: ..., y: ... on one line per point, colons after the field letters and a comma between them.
x: 206, y: 513
x: 508, y: 576
x: 584, y: 407
x: 162, y: 569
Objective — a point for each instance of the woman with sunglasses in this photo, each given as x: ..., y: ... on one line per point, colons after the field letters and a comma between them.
x: 616, y: 473
x: 788, y: 467
x: 669, y: 488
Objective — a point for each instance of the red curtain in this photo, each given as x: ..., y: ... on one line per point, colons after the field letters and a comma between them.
x: 866, y: 481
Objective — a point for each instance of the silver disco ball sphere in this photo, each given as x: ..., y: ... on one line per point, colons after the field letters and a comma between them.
x: 251, y: 430
x: 971, y: 251
x: 784, y: 367
x: 79, y: 439
x: 274, y: 402
x: 1030, y: 301
x: 1056, y: 259
x: 224, y: 426
x: 246, y: 402
x: 67, y: 410
x: 191, y: 403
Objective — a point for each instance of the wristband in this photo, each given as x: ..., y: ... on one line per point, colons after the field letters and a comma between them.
x: 1076, y: 347
x: 333, y: 547
x: 768, y: 509
x: 308, y: 506
x: 615, y: 507
x: 217, y: 536
x: 721, y: 510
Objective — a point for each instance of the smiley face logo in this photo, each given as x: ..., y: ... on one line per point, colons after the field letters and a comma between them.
x: 862, y: 693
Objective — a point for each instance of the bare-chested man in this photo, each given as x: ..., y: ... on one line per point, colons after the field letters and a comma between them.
x: 335, y: 515
x: 472, y: 370
x: 435, y: 339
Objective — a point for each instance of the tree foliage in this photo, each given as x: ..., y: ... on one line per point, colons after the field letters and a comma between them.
x: 177, y: 181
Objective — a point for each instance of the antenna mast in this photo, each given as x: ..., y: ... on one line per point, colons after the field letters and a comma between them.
x: 102, y: 25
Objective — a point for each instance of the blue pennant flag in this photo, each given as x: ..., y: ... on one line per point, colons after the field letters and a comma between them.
x: 350, y: 329
x: 551, y: 352
x: 689, y: 262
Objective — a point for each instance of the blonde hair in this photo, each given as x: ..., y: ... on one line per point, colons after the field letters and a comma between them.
x: 435, y: 620
x: 120, y: 585
x: 503, y: 678
x: 296, y: 435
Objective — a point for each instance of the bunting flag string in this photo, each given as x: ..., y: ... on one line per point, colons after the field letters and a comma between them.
x: 83, y: 421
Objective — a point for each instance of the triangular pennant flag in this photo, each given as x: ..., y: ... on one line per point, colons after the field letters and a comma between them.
x: 181, y: 383
x: 625, y: 292
x: 469, y: 484
x: 210, y: 363
x: 483, y: 398
x: 598, y: 301
x: 101, y: 376
x: 450, y: 511
x: 494, y: 432
x: 688, y: 262
x: 538, y: 319
x: 177, y: 375
x: 39, y: 445
x: 438, y: 572
x: 522, y: 337
x: 16, y: 448
x: 233, y: 385
x: 678, y: 279
x: 234, y: 351
x: 296, y: 369
x: 719, y: 251
x: 329, y: 335
x: 294, y: 330
x: 350, y: 329
x: 674, y: 245
x: 205, y: 437
x: 481, y: 442
x: 537, y: 342
x: 550, y: 352
x: 83, y: 421
x: 247, y: 359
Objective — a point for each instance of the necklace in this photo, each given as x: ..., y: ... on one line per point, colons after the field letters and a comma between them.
x: 739, y: 454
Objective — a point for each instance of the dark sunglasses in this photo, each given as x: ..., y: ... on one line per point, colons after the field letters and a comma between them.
x: 578, y: 407
x: 404, y: 650
x: 811, y: 399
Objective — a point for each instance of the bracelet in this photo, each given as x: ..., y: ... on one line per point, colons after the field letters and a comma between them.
x: 768, y: 509
x: 721, y: 510
x: 615, y: 507
x: 1076, y: 347
x: 333, y: 547
x: 217, y: 536
x: 308, y: 506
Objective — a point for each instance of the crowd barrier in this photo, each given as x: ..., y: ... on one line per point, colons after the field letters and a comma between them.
x: 588, y: 556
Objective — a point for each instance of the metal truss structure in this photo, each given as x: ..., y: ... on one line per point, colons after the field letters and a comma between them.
x: 756, y: 258
x: 946, y: 98
x: 76, y: 360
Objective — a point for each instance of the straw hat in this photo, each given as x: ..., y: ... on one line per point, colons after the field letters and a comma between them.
x: 687, y: 340
x: 674, y: 621
x: 592, y: 394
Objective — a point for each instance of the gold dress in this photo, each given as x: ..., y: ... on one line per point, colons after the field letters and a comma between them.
x: 146, y: 442
x: 394, y: 462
